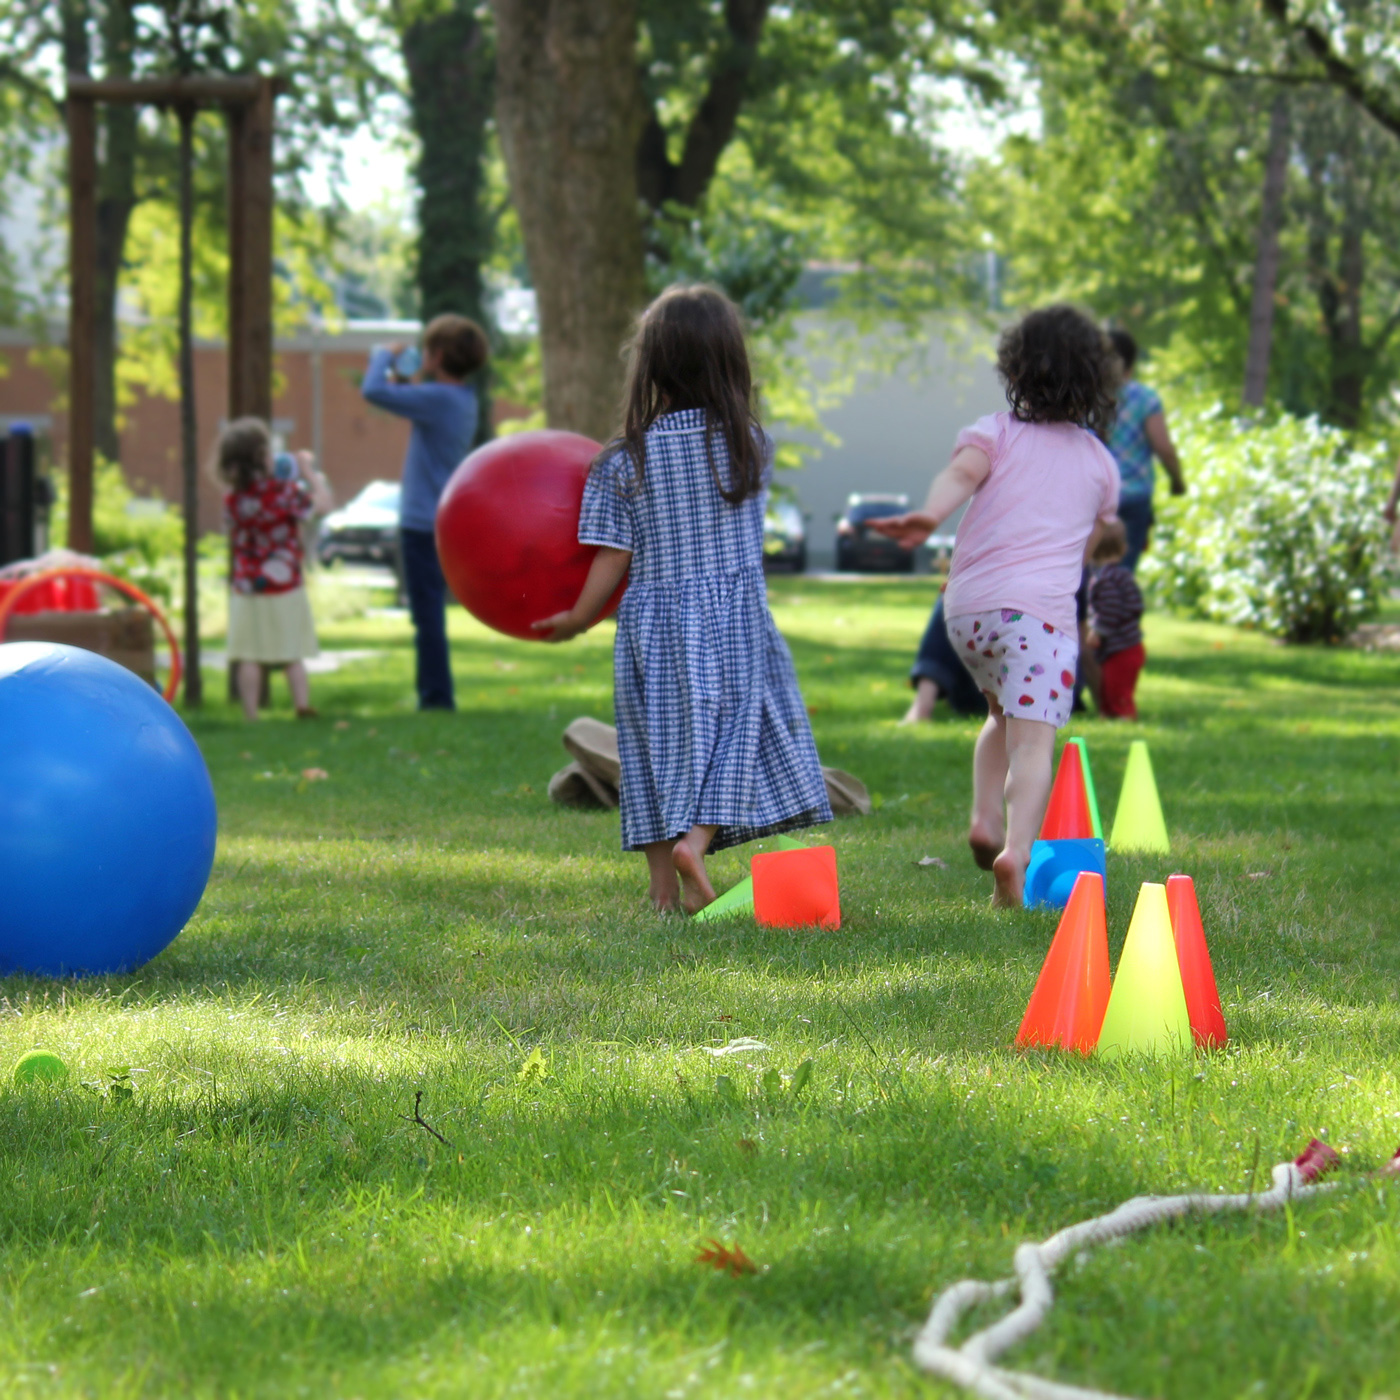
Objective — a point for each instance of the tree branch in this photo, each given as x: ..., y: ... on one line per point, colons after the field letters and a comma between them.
x: 659, y: 179
x: 1340, y: 71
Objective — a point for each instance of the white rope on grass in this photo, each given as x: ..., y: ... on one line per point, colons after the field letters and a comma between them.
x: 972, y: 1365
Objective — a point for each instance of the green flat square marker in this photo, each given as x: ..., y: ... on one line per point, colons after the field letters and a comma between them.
x: 739, y: 898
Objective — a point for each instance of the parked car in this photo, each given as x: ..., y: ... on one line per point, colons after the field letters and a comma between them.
x: 366, y: 529
x: 784, y: 534
x: 860, y: 549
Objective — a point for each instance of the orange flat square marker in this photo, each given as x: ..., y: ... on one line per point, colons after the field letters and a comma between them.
x: 796, y: 889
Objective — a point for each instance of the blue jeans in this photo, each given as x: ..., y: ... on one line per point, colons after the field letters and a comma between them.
x: 427, y: 604
x: 1136, y: 514
x: 938, y: 662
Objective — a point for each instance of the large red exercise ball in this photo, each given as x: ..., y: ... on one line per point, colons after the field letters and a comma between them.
x: 107, y: 818
x: 507, y: 530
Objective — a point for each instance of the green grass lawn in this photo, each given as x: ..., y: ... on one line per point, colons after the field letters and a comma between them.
x: 236, y: 1201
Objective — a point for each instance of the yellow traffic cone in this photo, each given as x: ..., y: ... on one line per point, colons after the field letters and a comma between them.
x: 1138, y: 824
x: 1147, y: 1007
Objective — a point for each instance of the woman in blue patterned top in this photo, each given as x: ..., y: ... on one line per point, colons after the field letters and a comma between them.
x: 713, y: 736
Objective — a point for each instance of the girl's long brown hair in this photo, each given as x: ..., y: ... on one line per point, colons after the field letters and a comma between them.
x: 689, y: 352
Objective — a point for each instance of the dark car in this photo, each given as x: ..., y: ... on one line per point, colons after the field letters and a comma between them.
x: 366, y: 530
x: 784, y: 535
x: 859, y: 549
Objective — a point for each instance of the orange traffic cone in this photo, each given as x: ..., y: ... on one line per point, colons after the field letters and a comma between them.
x: 796, y: 889
x: 1197, y: 976
x: 1068, y: 817
x: 1071, y: 994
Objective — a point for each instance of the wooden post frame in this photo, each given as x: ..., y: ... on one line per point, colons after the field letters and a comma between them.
x: 248, y: 103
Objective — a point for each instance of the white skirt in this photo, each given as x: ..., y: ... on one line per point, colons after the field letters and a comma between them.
x: 273, y: 628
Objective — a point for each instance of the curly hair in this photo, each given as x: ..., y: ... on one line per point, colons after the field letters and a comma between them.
x: 688, y: 352
x: 1059, y: 367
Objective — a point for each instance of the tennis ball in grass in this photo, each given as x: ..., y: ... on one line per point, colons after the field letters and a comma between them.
x: 40, y: 1067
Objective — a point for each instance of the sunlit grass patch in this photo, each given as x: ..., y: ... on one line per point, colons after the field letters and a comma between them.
x: 233, y: 1196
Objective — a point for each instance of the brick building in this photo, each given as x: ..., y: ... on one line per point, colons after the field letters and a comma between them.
x: 317, y: 406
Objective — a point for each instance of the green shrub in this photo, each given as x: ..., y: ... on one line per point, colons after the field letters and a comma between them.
x: 1280, y: 529
x: 141, y: 543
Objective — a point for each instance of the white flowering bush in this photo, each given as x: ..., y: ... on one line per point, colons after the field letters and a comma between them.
x: 1280, y: 528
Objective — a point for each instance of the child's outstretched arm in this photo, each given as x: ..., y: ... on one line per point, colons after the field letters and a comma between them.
x: 606, y: 572
x: 951, y: 487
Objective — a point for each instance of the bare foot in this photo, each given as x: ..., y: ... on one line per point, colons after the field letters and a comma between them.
x: 986, y: 845
x: 696, y: 890
x: 665, y: 904
x: 1010, y: 871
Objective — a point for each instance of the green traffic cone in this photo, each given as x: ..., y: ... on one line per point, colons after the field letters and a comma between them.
x: 1089, y: 789
x: 1138, y: 824
x: 1147, y: 1007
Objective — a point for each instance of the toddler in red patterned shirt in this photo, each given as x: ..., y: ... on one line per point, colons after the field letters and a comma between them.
x: 269, y: 615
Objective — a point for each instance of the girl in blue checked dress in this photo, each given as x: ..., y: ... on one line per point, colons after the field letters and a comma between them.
x: 711, y: 729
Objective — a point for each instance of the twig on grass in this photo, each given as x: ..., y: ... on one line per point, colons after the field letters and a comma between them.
x: 417, y: 1117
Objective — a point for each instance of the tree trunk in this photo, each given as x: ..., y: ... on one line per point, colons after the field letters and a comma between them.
x: 569, y: 111
x: 1349, y: 353
x: 450, y: 70
x: 1266, y: 257
x: 194, y: 682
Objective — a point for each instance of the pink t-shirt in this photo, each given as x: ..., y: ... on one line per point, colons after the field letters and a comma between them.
x: 1021, y: 542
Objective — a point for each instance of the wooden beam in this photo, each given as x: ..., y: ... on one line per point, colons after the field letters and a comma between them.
x: 250, y: 263
x: 237, y: 272
x: 82, y: 318
x: 214, y: 91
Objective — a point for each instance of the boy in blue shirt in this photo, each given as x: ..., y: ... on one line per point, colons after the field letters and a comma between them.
x: 442, y: 407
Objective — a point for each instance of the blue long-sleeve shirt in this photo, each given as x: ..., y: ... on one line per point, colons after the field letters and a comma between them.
x: 444, y: 426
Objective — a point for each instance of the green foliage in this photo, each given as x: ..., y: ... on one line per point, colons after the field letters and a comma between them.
x: 1141, y: 199
x: 136, y: 539
x: 1280, y: 529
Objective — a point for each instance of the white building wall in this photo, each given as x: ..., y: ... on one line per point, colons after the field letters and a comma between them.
x: 898, y: 426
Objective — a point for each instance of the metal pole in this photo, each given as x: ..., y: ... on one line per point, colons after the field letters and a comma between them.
x: 82, y: 318
x: 189, y: 438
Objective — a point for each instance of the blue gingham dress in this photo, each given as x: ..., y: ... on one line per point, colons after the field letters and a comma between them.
x: 711, y: 728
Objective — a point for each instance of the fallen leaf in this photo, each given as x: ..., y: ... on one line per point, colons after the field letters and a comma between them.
x: 314, y: 775
x: 342, y: 724
x: 732, y: 1261
x: 747, y: 1146
x: 1260, y: 874
x: 742, y: 1046
x: 801, y: 1076
x: 933, y: 860
x: 724, y: 1016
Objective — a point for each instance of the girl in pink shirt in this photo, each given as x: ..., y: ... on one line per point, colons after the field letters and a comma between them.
x: 1039, y: 481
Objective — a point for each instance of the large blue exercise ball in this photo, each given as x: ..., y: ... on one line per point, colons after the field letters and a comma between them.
x: 107, y: 817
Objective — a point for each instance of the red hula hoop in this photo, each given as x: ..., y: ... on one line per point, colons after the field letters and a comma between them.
x: 7, y: 606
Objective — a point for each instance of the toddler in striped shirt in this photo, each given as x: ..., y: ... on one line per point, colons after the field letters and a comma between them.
x: 1115, y: 617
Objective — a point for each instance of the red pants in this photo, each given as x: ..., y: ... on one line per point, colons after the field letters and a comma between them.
x: 1118, y: 681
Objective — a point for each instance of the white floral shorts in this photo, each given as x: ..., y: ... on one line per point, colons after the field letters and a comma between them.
x: 1025, y: 665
